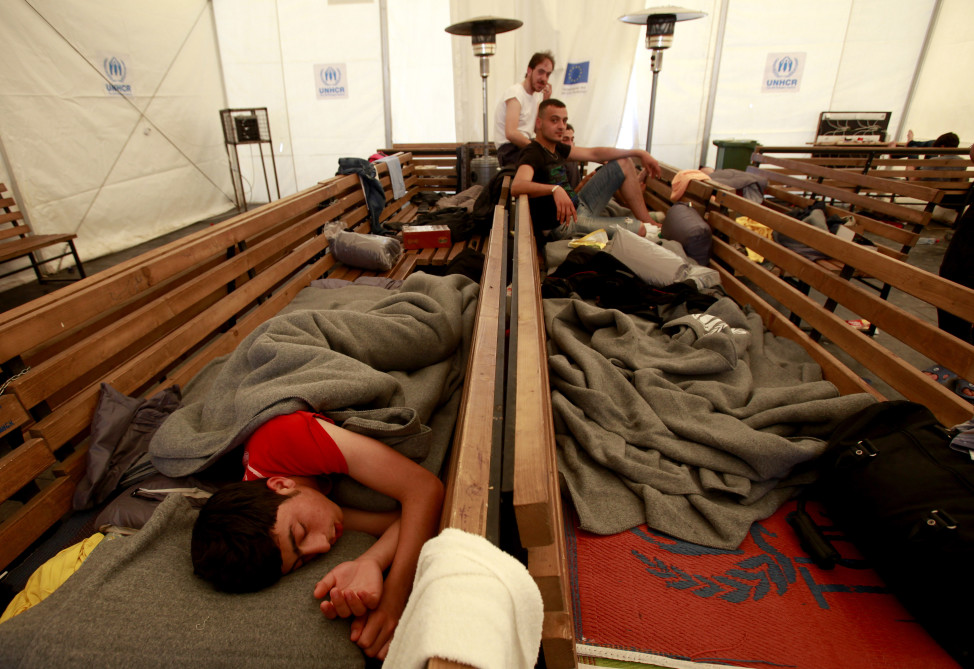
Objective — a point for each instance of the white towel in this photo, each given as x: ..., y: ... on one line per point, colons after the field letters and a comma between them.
x: 395, y: 175
x: 471, y: 603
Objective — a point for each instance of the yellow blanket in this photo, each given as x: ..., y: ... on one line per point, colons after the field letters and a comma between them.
x: 50, y: 575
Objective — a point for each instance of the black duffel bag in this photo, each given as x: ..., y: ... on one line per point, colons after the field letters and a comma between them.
x: 890, y: 481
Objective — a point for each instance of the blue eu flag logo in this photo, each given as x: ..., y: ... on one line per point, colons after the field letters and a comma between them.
x: 576, y: 73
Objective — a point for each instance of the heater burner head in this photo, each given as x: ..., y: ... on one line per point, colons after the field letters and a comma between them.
x: 483, y: 32
x: 660, y: 22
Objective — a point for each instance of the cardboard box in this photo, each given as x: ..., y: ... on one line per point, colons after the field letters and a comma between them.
x: 425, y: 236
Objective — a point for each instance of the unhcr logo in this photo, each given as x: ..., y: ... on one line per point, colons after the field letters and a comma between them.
x: 783, y: 72
x: 330, y: 81
x: 784, y: 67
x: 330, y: 76
x: 116, y: 72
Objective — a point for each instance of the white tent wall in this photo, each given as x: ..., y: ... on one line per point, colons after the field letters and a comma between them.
x: 683, y: 85
x: 944, y: 97
x: 852, y: 62
x: 115, y: 169
x: 860, y: 55
x: 421, y: 71
x: 576, y: 32
x: 270, y: 50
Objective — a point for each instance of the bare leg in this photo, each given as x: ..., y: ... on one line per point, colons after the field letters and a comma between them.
x: 632, y: 191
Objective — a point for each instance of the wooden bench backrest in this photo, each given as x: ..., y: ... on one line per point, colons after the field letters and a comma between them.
x: 436, y: 164
x: 878, y: 354
x: 10, y: 213
x: 928, y: 166
x: 537, y: 502
x: 472, y: 498
x: 721, y: 207
x: 871, y: 213
x: 148, y: 323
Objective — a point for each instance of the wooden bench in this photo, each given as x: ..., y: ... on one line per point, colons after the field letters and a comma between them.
x: 845, y: 354
x: 150, y: 322
x: 933, y: 167
x: 875, y: 216
x: 437, y: 163
x: 472, y: 499
x: 537, y: 502
x: 18, y: 241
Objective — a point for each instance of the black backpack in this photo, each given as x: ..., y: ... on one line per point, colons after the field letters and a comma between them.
x: 483, y: 206
x: 458, y: 219
x: 891, y: 482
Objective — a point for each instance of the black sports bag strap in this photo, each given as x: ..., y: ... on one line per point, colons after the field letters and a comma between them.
x: 810, y: 536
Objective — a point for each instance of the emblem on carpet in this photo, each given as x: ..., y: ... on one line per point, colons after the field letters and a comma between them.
x: 645, y: 597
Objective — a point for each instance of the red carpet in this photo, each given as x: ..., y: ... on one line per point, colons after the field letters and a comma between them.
x: 764, y: 605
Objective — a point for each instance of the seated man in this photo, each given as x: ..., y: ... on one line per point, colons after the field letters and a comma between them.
x: 558, y: 212
x: 517, y: 109
x: 573, y: 167
x: 249, y: 534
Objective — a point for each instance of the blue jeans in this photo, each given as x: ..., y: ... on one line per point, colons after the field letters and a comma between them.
x: 591, y: 201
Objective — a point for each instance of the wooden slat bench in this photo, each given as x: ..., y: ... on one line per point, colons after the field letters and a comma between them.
x: 537, y: 502
x: 932, y: 167
x: 18, y: 241
x: 148, y: 323
x: 877, y: 216
x: 895, y: 228
x: 437, y: 164
x: 845, y: 354
x: 472, y: 499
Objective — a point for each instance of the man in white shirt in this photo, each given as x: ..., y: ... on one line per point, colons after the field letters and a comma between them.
x: 517, y: 109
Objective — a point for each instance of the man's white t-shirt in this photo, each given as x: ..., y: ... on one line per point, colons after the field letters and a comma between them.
x: 529, y: 112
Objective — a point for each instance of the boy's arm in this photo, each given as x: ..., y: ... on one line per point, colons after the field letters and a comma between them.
x: 356, y: 586
x: 420, y: 494
x: 523, y: 184
x: 603, y: 154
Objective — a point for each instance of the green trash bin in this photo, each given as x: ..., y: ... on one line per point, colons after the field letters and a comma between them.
x: 734, y: 154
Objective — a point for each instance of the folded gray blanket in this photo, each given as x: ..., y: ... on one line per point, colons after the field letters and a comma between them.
x: 384, y: 363
x: 692, y: 428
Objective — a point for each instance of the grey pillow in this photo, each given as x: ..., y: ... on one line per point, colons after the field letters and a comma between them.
x: 683, y: 224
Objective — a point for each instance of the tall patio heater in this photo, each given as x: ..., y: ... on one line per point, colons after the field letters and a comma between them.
x: 483, y: 32
x: 660, y: 23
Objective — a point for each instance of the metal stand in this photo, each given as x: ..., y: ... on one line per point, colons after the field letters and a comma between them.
x: 248, y: 126
x: 657, y: 64
x: 659, y: 22
x: 484, y: 167
x: 483, y: 32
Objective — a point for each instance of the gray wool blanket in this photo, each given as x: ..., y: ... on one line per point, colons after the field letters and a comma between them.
x: 135, y: 602
x: 387, y: 363
x: 693, y: 427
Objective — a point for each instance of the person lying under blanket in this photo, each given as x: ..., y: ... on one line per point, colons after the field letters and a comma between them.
x: 279, y: 518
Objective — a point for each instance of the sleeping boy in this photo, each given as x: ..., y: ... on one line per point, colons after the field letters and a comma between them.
x: 250, y: 533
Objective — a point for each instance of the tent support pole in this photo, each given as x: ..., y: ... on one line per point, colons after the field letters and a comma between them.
x: 386, y: 78
x: 934, y: 15
x: 714, y: 78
